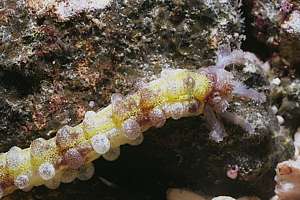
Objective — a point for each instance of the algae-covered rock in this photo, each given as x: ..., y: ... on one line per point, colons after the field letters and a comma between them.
x: 53, y: 70
x: 286, y: 98
x: 277, y: 24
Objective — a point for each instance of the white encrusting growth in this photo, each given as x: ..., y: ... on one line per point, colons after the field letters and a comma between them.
x: 37, y: 147
x: 157, y: 117
x: 73, y: 158
x: 90, y: 121
x: 46, y: 171
x: 15, y: 158
x: 100, y: 143
x: 131, y: 129
x: 22, y: 181
x: 175, y: 110
x: 63, y: 136
x: 292, y: 25
x: 112, y: 133
x: 65, y: 9
x: 67, y: 135
x: 297, y: 142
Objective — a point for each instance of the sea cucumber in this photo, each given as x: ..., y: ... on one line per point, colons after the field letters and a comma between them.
x: 177, y: 93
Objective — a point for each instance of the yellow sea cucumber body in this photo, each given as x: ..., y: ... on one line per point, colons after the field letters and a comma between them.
x: 177, y: 93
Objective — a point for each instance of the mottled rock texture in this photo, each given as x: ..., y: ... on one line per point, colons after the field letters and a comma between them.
x: 277, y: 25
x: 52, y: 71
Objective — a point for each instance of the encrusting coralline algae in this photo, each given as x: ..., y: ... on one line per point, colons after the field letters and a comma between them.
x: 177, y: 93
x: 288, y: 175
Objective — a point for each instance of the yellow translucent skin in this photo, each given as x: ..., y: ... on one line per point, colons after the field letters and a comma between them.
x: 174, y: 86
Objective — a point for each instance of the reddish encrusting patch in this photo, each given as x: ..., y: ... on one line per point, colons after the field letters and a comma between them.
x: 84, y: 149
x: 284, y: 170
x: 7, y: 182
x: 233, y: 172
x: 73, y: 159
x: 143, y: 120
x: 147, y: 99
x: 286, y: 7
